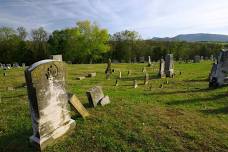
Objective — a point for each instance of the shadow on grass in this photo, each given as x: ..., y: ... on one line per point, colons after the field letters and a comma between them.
x: 223, y: 110
x: 17, y: 142
x: 197, y: 100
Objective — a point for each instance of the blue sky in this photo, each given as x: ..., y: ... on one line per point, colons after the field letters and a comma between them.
x: 150, y: 18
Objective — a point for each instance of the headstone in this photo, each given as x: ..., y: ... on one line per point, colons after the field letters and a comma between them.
x: 201, y: 58
x: 162, y: 68
x: 197, y: 59
x: 57, y: 57
x: 78, y: 107
x: 212, y: 57
x: 105, y: 101
x: 135, y: 60
x: 94, y: 95
x: 1, y: 66
x: 115, y: 61
x: 8, y: 66
x: 92, y: 74
x: 108, y: 70
x: 128, y: 72
x: 169, y: 65
x: 48, y: 102
x: 144, y: 69
x: 142, y: 59
x: 219, y: 71
x: 23, y: 65
x: 146, y: 79
x: 135, y: 84
x: 116, y: 84
x: 120, y: 75
x: 80, y: 78
x: 149, y: 61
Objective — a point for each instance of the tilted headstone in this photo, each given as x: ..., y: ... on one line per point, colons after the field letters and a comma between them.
x: 169, y: 65
x: 219, y: 71
x: 162, y: 68
x: 48, y: 102
x: 105, y: 101
x: 94, y: 95
x: 197, y: 59
x: 149, y: 61
x: 57, y: 57
x: 108, y: 70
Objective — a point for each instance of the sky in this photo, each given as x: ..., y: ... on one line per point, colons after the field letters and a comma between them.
x: 151, y: 18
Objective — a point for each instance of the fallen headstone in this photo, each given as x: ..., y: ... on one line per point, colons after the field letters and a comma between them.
x: 92, y: 74
x: 78, y: 107
x: 105, y: 101
x: 80, y: 78
x: 94, y: 95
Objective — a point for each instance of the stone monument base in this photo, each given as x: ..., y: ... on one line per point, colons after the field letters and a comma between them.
x: 42, y: 142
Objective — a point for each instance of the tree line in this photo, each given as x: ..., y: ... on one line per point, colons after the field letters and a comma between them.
x: 89, y: 43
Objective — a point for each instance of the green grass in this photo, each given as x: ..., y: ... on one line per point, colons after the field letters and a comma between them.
x: 183, y: 116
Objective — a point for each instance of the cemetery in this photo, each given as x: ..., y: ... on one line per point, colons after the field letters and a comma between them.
x: 113, y: 76
x: 130, y: 109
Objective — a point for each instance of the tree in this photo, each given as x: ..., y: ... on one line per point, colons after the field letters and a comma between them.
x: 39, y: 43
x: 22, y: 33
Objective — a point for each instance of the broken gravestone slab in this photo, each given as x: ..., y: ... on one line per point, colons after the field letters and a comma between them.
x: 105, y: 101
x: 78, y: 107
x: 94, y: 95
x: 57, y: 57
x: 48, y: 102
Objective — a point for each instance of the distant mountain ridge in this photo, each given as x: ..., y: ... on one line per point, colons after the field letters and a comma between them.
x: 195, y: 37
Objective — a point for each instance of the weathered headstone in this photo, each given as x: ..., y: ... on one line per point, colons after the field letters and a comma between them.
x: 197, y: 59
x: 94, y: 95
x: 146, y: 79
x: 142, y: 59
x: 75, y: 102
x: 135, y: 84
x: 105, y: 101
x: 201, y: 58
x: 57, y: 57
x: 149, y: 61
x: 108, y: 70
x: 23, y: 65
x: 120, y: 75
x: 144, y: 69
x: 116, y: 84
x: 219, y: 71
x: 48, y: 102
x: 169, y: 65
x: 128, y: 72
x: 162, y: 68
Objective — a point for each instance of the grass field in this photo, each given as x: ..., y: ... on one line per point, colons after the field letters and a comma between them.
x: 184, y: 115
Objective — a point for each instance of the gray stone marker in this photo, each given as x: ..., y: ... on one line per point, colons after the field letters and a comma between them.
x: 219, y: 71
x: 201, y: 58
x: 94, y: 95
x: 120, y: 75
x: 197, y: 59
x: 92, y: 74
x: 162, y: 68
x: 23, y: 65
x: 108, y: 70
x: 105, y: 101
x: 135, y: 84
x: 149, y: 61
x: 169, y: 65
x: 146, y: 79
x: 142, y: 59
x: 48, y: 102
x: 57, y: 57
